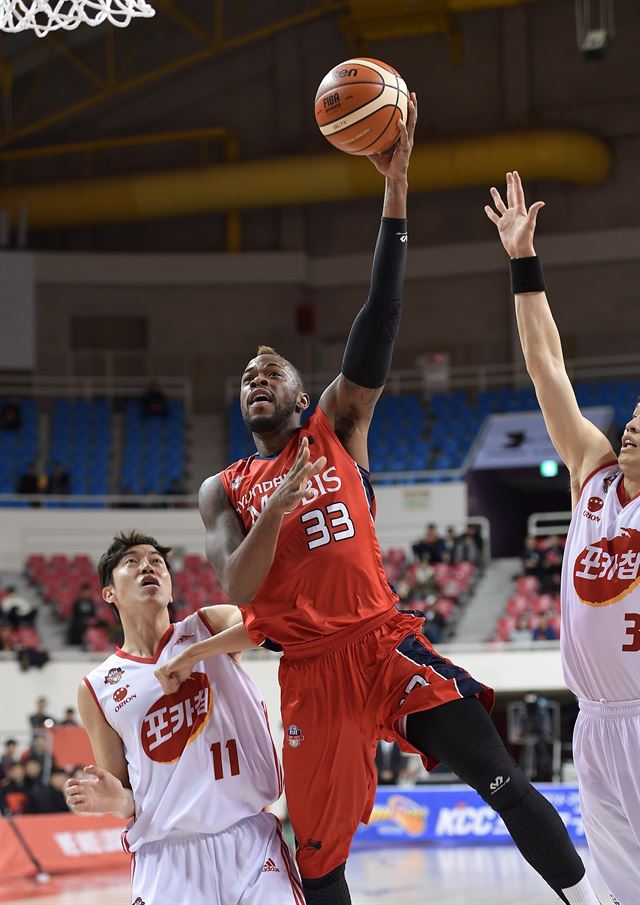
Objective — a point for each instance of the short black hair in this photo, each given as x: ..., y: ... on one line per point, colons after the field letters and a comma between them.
x: 121, y: 543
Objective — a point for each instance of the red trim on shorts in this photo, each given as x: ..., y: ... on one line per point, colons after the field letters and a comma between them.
x: 161, y: 646
x: 275, y: 753
x: 204, y: 621
x: 124, y: 843
x: 95, y: 698
x: 623, y: 496
x: 594, y: 472
x: 133, y: 870
x: 296, y: 886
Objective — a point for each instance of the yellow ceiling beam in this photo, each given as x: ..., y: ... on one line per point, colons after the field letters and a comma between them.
x: 549, y: 154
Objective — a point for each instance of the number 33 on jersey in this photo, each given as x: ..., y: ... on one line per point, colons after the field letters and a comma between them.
x: 324, y: 576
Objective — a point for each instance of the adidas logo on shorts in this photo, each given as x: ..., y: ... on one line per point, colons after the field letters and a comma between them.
x: 270, y: 864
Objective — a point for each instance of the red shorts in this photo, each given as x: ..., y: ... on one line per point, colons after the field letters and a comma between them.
x: 335, y: 706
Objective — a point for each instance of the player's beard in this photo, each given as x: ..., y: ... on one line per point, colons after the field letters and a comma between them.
x: 263, y: 424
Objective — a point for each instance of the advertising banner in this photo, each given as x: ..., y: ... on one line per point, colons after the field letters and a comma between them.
x: 71, y: 746
x: 520, y: 439
x: 14, y: 862
x: 65, y: 843
x: 451, y: 813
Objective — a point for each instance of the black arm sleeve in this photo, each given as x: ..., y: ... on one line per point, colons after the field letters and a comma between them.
x: 367, y: 358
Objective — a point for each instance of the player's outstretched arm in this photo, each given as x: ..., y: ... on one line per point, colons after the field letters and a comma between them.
x: 241, y: 561
x: 579, y: 443
x: 229, y: 640
x: 108, y: 791
x: 350, y: 400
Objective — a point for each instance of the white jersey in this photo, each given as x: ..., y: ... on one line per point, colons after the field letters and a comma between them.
x: 600, y: 592
x: 199, y: 760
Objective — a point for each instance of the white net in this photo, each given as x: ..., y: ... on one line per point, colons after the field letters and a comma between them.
x: 43, y: 16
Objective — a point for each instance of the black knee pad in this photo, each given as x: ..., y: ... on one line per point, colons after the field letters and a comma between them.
x: 331, y: 889
x: 497, y: 778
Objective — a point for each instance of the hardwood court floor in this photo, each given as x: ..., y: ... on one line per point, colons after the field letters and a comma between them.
x: 385, y: 876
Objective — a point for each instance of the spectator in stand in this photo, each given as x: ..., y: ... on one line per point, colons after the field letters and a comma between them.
x: 82, y: 613
x: 14, y: 793
x: 531, y: 557
x: 9, y: 757
x: 32, y: 774
x: 154, y: 403
x: 434, y: 623
x: 31, y: 481
x: 30, y: 656
x: 449, y: 546
x: 39, y: 751
x: 11, y: 415
x: 429, y: 548
x: 40, y: 718
x: 521, y: 632
x: 470, y: 546
x: 389, y: 763
x: 543, y: 631
x: 16, y: 609
x: 59, y: 480
x: 69, y: 718
x: 6, y: 634
x: 49, y: 798
x: 551, y: 566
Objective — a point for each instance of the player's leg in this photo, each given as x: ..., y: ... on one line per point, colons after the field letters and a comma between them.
x: 431, y: 706
x: 606, y: 750
x: 462, y: 735
x: 328, y: 767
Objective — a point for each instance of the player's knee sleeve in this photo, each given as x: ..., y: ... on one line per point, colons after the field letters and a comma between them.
x: 533, y: 823
x: 496, y: 777
x: 331, y: 889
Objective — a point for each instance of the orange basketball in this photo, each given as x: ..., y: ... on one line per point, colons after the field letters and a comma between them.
x: 358, y: 105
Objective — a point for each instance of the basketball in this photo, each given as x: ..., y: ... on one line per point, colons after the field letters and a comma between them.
x: 358, y: 105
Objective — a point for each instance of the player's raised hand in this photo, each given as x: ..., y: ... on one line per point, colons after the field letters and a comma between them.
x: 394, y: 162
x: 176, y: 671
x: 102, y: 793
x: 295, y: 485
x: 516, y: 225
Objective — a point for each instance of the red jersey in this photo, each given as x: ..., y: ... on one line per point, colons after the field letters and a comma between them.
x: 327, y: 574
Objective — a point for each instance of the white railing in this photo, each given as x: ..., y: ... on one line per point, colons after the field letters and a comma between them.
x: 110, y: 501
x: 75, y: 387
x: 478, y: 377
x: 546, y: 524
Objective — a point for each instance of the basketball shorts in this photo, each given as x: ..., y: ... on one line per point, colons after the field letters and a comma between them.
x: 335, y: 706
x: 248, y: 864
x: 606, y: 752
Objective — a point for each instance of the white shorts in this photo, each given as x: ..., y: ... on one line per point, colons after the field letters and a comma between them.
x: 606, y: 751
x: 248, y: 864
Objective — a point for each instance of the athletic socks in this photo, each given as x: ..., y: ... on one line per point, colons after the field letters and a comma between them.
x: 581, y: 894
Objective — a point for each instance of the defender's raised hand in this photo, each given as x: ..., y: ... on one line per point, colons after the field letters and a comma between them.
x: 394, y: 162
x: 516, y: 225
x: 294, y: 486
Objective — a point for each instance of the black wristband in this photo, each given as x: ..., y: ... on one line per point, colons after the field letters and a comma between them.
x: 526, y: 275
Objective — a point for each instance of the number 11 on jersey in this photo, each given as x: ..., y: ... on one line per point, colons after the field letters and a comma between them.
x: 232, y: 759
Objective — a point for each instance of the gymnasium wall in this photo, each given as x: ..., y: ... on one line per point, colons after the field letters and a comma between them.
x: 205, y: 326
x: 403, y: 512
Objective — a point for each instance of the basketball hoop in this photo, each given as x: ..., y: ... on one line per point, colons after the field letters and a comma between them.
x: 43, y: 16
